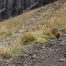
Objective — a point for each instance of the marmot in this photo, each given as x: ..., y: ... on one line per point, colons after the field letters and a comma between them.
x: 57, y: 33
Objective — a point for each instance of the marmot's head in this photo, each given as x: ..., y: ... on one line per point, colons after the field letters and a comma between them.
x: 57, y: 33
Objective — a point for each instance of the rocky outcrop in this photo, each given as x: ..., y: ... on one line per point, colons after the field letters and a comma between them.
x: 13, y: 7
x: 10, y: 8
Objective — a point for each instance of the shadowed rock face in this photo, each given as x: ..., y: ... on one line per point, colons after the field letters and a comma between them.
x: 10, y: 8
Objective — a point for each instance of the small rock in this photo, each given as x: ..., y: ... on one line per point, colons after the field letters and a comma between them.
x: 51, y: 49
x: 20, y: 31
x: 34, y: 56
x: 65, y: 55
x: 62, y: 60
x: 43, y: 47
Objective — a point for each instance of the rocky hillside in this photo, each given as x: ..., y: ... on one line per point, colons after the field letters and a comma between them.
x: 26, y: 40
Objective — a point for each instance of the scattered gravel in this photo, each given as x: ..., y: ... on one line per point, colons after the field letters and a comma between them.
x: 51, y: 53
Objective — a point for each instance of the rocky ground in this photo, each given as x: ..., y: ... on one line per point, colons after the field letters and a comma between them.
x: 51, y: 53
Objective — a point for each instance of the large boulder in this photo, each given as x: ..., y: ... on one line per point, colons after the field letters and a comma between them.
x: 10, y: 8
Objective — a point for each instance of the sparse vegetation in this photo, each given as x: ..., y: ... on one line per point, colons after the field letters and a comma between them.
x: 13, y: 49
x: 41, y: 33
x: 4, y: 32
x: 47, y: 34
x: 27, y: 37
x: 4, y: 52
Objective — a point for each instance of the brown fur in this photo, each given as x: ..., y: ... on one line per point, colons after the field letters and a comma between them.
x: 56, y: 32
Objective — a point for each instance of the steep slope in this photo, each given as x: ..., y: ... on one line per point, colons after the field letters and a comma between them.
x: 25, y: 40
x: 35, y: 24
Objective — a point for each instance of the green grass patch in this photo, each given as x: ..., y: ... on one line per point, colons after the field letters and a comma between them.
x: 46, y: 35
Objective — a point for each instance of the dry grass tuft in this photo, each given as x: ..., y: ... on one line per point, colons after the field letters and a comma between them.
x: 4, y: 52
x: 27, y: 37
